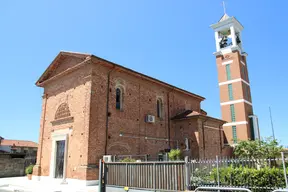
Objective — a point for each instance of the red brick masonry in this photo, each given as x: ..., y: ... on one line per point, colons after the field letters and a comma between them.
x: 81, y: 89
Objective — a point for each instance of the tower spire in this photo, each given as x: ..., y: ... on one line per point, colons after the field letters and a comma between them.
x: 225, y: 16
x: 224, y: 7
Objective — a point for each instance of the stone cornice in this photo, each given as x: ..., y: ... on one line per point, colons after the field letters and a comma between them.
x: 67, y: 71
x: 62, y: 120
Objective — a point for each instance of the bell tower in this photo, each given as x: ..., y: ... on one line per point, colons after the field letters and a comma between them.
x: 234, y: 85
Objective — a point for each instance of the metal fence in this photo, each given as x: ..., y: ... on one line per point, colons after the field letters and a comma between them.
x: 119, y: 158
x: 254, y: 174
x: 145, y: 158
x: 149, y: 175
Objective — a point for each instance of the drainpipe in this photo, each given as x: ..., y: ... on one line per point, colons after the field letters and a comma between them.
x: 203, y: 135
x: 107, y: 108
x: 220, y: 137
x: 139, y: 89
x: 42, y: 131
x: 169, y: 128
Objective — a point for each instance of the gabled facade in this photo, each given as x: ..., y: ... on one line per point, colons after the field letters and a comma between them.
x: 93, y: 107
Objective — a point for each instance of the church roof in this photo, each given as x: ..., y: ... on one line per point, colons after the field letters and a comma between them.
x: 194, y: 114
x: 185, y: 114
x: 224, y: 17
x: 84, y: 57
x: 226, y: 20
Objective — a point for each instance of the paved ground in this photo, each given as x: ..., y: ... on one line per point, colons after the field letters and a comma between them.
x: 22, y: 184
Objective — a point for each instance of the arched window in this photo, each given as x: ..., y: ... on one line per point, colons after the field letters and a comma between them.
x: 119, y: 98
x: 62, y: 111
x: 159, y: 108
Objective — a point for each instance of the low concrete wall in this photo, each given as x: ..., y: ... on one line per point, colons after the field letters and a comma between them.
x: 11, y: 167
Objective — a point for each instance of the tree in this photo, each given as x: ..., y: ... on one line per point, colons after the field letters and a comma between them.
x: 267, y: 148
x: 175, y: 154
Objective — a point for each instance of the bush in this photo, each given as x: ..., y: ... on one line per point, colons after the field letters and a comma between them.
x: 29, y: 169
x: 201, y: 176
x: 174, y: 154
x: 267, y: 148
x: 128, y: 160
x: 244, y: 176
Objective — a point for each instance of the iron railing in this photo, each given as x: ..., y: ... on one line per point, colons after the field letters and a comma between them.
x: 190, y: 174
x: 222, y: 189
x: 149, y: 175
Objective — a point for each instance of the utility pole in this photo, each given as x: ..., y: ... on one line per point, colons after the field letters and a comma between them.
x: 271, y: 123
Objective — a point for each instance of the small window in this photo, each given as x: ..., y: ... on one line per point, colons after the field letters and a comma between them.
x: 119, y: 98
x: 230, y: 91
x: 244, y: 75
x: 234, y: 132
x: 159, y: 108
x: 228, y: 72
x: 232, y: 111
x: 247, y: 92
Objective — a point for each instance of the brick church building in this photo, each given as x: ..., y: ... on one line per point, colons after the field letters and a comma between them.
x: 93, y: 107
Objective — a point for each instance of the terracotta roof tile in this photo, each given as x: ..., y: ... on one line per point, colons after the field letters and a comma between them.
x: 19, y: 143
x: 189, y: 114
x: 185, y: 114
x: 54, y: 64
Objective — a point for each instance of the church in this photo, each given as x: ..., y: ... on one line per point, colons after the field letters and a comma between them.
x: 93, y: 108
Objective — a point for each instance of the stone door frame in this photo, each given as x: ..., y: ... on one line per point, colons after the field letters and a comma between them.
x: 59, y: 135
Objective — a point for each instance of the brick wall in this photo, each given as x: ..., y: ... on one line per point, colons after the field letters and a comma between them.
x: 11, y: 167
x: 75, y: 90
x: 240, y: 91
x: 140, y: 98
x: 87, y: 91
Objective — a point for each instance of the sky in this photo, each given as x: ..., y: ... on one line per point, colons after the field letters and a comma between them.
x: 169, y: 40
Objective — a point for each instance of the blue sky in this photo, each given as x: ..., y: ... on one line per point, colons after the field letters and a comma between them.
x: 169, y: 40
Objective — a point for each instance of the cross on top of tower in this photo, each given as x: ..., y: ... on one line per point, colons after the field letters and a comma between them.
x: 228, y: 33
x: 224, y: 7
x: 225, y: 16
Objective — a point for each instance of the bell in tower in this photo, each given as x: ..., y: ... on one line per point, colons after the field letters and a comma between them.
x: 225, y: 39
x: 228, y: 34
x: 238, y: 41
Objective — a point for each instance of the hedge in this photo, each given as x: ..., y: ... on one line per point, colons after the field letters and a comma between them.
x: 244, y: 176
x: 128, y: 160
